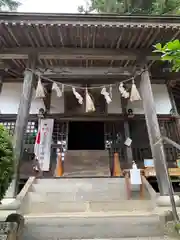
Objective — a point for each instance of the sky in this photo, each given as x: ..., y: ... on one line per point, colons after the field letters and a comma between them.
x: 52, y: 6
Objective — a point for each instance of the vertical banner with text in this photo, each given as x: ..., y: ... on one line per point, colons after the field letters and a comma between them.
x: 43, y: 143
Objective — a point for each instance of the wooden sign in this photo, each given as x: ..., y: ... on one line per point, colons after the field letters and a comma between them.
x: 150, y: 172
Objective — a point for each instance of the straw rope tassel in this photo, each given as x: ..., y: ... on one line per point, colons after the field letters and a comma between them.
x: 135, y: 96
x: 89, y: 103
x: 40, y: 89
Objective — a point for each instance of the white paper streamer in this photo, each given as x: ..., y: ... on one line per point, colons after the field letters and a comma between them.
x: 135, y: 96
x: 89, y: 103
x: 57, y: 89
x: 106, y: 95
x: 40, y: 89
x: 78, y: 96
x: 123, y: 91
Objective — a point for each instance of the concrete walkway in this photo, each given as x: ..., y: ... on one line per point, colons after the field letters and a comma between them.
x: 93, y: 228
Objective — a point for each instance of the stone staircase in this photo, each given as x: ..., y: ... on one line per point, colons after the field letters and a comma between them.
x: 124, y: 228
x: 82, y: 195
x: 86, y: 163
x: 88, y: 208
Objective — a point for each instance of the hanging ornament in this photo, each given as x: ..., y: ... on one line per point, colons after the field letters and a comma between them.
x: 77, y: 96
x: 123, y: 91
x: 57, y: 89
x: 40, y: 93
x: 135, y: 96
x: 89, y: 103
x: 106, y: 95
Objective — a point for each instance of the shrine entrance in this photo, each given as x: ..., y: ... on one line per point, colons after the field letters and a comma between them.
x: 86, y: 136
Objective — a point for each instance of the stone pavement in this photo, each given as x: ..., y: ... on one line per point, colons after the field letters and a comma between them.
x: 94, y: 228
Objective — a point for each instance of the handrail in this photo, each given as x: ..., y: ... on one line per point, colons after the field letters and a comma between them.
x: 168, y: 140
x: 170, y: 188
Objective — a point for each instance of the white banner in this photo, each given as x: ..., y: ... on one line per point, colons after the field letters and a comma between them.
x: 46, y: 130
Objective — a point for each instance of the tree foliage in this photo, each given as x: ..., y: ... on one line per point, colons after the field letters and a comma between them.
x: 10, y: 5
x: 150, y: 7
x: 6, y: 161
x: 170, y: 52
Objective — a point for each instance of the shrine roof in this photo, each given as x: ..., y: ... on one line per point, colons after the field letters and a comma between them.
x: 126, y: 35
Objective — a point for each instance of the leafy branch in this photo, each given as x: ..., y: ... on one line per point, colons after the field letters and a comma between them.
x: 170, y: 52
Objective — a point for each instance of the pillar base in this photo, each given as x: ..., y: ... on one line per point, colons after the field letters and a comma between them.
x: 164, y: 201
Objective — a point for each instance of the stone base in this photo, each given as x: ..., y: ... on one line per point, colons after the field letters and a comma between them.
x: 164, y: 201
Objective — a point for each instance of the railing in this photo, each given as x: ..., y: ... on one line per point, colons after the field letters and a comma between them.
x: 161, y: 140
x: 141, y: 153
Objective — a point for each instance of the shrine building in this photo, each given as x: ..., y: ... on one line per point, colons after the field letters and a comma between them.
x: 89, y: 52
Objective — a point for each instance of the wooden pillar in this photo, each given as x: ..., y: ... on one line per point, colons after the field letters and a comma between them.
x: 154, y: 132
x: 174, y: 109
x: 129, y: 153
x: 21, y: 121
x: 173, y: 103
x: 47, y: 99
x: 1, y: 83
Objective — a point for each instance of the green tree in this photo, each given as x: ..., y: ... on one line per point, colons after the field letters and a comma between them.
x: 6, y: 161
x: 132, y: 6
x: 10, y: 5
x: 170, y: 52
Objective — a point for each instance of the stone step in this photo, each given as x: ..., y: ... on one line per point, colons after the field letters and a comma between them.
x: 94, y: 228
x: 71, y: 196
x: 80, y: 189
x: 63, y: 181
x: 88, y: 173
x: 83, y: 195
x: 87, y: 153
x: 50, y: 207
x: 86, y: 163
x: 76, y: 185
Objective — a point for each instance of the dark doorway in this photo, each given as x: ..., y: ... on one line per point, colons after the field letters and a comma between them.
x: 86, y: 136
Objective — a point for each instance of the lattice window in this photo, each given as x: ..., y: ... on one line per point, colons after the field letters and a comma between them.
x: 114, y: 133
x: 30, y: 134
x: 31, y: 131
x: 60, y: 133
x: 10, y: 126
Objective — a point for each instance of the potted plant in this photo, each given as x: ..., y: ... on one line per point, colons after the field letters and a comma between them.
x: 6, y: 161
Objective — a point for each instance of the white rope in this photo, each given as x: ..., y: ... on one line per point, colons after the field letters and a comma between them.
x: 79, y: 87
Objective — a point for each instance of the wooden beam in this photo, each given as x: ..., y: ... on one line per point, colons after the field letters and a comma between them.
x: 154, y: 133
x: 78, y: 53
x: 22, y: 119
x: 86, y: 80
x: 77, y: 72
